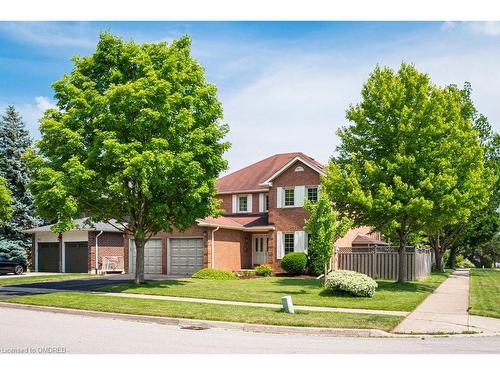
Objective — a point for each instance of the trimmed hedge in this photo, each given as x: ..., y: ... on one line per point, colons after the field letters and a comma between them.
x: 351, y: 282
x: 211, y: 274
x: 294, y: 263
x: 264, y: 270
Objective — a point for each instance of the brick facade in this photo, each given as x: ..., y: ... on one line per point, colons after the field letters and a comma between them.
x: 110, y: 244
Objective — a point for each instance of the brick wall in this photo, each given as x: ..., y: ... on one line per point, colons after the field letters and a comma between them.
x: 233, y: 250
x: 110, y: 244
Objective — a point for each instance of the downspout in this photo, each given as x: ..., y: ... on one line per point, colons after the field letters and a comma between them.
x: 97, y: 252
x: 213, y: 246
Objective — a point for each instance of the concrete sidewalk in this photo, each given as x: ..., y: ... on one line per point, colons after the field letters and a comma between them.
x: 24, y: 291
x: 446, y: 311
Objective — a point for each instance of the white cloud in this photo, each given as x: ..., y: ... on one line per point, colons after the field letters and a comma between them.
x: 43, y: 103
x: 490, y: 28
x: 49, y: 34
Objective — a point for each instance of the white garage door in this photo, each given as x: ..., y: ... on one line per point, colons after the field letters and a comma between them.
x: 152, y: 256
x: 186, y: 255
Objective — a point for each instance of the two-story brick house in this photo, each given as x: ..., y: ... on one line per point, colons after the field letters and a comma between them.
x: 263, y: 220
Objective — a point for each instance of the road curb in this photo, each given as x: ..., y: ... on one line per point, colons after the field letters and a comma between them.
x: 198, y: 324
x: 207, y: 324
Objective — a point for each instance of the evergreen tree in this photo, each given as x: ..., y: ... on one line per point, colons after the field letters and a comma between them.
x: 14, y: 141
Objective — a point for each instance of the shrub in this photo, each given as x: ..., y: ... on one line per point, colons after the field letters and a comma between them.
x: 264, y: 270
x: 465, y: 263
x: 351, y: 282
x: 294, y: 263
x: 211, y: 274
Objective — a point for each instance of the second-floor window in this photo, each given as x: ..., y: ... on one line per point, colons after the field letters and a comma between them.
x: 289, y: 195
x: 243, y: 203
x: 289, y: 242
x: 266, y: 203
x: 312, y: 194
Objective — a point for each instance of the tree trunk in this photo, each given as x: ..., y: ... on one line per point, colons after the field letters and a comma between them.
x: 139, y: 259
x: 325, y: 266
x: 453, y: 257
x: 402, y: 257
x: 438, y: 252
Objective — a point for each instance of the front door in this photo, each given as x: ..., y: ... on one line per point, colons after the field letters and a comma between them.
x: 259, y: 249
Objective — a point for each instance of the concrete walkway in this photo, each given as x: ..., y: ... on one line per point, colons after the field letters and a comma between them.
x: 446, y: 311
x: 20, y: 289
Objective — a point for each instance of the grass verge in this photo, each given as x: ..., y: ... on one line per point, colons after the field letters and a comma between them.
x: 190, y: 310
x: 39, y: 279
x: 390, y: 295
x: 485, y: 292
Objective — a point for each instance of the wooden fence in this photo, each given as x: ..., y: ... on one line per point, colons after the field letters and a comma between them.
x: 382, y: 262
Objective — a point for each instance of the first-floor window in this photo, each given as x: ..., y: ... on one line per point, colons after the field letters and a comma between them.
x: 243, y: 203
x: 288, y: 242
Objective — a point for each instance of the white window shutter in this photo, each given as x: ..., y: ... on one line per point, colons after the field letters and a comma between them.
x: 261, y: 202
x: 249, y: 203
x: 280, y: 251
x: 235, y: 204
x: 279, y: 197
x: 299, y: 241
x: 299, y: 193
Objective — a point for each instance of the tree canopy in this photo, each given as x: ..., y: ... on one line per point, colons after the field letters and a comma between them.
x: 409, y: 160
x: 14, y: 141
x: 6, y: 200
x: 136, y: 136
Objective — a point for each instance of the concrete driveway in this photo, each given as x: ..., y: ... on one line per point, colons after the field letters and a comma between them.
x: 81, y: 284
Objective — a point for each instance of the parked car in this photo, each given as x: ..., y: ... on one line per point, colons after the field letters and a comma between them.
x: 11, y: 266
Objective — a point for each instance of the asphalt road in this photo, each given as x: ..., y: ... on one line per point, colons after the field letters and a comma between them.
x: 36, y: 331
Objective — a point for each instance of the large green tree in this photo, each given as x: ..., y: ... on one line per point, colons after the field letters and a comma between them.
x: 408, y: 161
x: 136, y: 137
x: 483, y: 222
x: 324, y: 227
x: 14, y: 141
x: 6, y: 200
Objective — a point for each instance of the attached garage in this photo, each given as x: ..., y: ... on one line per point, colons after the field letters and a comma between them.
x: 48, y: 257
x: 76, y: 257
x: 152, y: 256
x: 186, y: 255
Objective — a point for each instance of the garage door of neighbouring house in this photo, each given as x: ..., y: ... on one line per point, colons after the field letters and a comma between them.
x: 152, y: 256
x: 48, y: 256
x: 76, y: 257
x: 186, y: 255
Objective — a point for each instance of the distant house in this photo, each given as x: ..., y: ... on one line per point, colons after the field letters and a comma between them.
x: 263, y: 220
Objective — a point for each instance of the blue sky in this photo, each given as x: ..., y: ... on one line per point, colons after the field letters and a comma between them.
x: 284, y: 86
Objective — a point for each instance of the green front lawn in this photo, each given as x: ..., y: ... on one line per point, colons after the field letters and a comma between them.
x: 37, y: 279
x: 190, y: 310
x: 485, y: 292
x: 309, y: 292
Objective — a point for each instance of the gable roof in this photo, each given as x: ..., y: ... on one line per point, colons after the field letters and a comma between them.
x: 257, y: 175
x: 81, y: 224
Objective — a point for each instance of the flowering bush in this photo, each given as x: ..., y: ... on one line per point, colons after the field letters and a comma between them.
x: 264, y: 270
x: 351, y: 282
